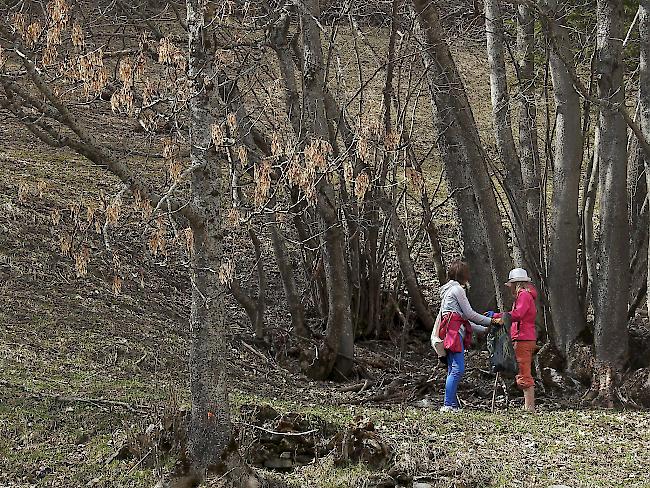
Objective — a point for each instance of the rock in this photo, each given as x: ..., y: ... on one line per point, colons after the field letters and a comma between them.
x: 278, y: 463
x: 422, y: 485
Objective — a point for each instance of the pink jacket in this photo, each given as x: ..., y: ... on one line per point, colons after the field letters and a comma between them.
x: 451, y: 335
x: 524, y: 312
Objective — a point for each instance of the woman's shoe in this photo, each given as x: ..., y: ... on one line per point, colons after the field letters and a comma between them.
x: 448, y: 408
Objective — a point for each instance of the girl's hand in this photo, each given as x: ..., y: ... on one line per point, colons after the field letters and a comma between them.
x: 498, y: 321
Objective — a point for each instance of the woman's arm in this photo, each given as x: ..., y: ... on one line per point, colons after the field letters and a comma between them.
x: 467, y: 310
x: 479, y: 329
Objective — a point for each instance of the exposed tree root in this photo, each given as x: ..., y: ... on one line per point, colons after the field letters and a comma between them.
x: 603, y: 391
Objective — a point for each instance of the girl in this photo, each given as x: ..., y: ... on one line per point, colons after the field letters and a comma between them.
x: 522, y: 332
x: 457, y: 322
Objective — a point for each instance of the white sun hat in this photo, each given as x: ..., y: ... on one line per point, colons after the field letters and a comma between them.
x: 518, y: 275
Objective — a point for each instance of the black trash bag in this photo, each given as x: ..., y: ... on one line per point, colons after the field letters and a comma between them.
x: 502, y: 352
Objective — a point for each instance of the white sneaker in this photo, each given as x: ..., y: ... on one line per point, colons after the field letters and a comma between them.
x: 448, y: 408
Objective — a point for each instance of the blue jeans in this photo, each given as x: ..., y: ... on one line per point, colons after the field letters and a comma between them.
x: 455, y: 371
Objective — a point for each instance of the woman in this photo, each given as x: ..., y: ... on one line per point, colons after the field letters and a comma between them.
x: 522, y: 332
x: 457, y: 322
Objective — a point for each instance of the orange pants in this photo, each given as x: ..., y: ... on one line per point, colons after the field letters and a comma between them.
x: 524, y: 351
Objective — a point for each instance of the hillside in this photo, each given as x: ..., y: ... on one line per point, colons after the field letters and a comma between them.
x: 92, y: 381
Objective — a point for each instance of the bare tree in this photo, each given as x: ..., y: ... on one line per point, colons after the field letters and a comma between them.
x: 568, y: 317
x: 450, y: 98
x: 31, y: 93
x: 505, y: 141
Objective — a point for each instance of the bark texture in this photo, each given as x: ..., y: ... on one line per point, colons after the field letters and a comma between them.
x: 611, y: 291
x: 528, y: 146
x: 502, y: 121
x: 210, y: 427
x: 568, y: 319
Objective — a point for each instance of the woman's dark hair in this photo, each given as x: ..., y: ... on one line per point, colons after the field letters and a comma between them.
x: 458, y: 271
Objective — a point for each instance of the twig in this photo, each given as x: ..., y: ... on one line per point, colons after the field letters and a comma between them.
x: 72, y: 399
x: 135, y: 466
x: 494, y: 391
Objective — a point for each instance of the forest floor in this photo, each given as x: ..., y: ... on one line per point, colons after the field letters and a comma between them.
x: 70, y: 349
x: 88, y: 378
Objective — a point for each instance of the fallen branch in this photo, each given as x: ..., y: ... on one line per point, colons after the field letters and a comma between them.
x: 272, y: 432
x: 73, y: 399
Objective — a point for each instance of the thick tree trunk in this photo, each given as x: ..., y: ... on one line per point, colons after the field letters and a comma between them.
x: 612, y: 276
x: 644, y: 90
x: 568, y: 319
x: 452, y: 106
x: 503, y: 131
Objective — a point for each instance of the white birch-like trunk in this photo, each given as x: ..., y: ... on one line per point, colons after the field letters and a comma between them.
x: 503, y: 131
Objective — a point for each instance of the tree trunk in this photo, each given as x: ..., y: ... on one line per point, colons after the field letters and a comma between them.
x: 644, y: 90
x: 262, y: 285
x: 452, y: 106
x: 589, y: 244
x: 210, y: 427
x: 612, y: 276
x: 339, y: 353
x: 503, y: 131
x: 296, y: 309
x: 400, y: 242
x: 568, y: 319
x: 528, y: 147
x: 638, y: 217
x: 210, y: 431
